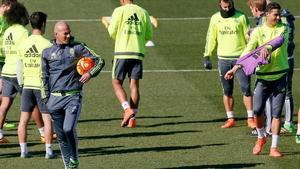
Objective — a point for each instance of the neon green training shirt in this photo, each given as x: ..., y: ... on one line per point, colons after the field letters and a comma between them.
x: 130, y: 27
x: 31, y: 54
x: 229, y: 34
x: 3, y: 27
x: 278, y: 62
x: 12, y: 39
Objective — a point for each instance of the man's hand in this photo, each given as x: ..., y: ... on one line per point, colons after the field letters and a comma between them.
x: 85, y: 78
x: 264, y: 53
x: 230, y: 74
x: 207, y: 63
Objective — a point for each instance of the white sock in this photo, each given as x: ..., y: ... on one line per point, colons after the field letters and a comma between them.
x: 275, y: 139
x: 1, y: 134
x: 24, y: 148
x: 229, y: 114
x: 250, y: 113
x: 261, y: 132
x: 41, y: 130
x: 298, y: 129
x: 49, y: 149
x: 125, y: 105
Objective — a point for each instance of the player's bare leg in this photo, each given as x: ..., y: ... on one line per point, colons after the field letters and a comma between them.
x: 228, y: 104
x: 276, y: 125
x: 248, y: 102
x: 134, y: 93
x: 5, y: 105
x: 261, y: 135
x: 122, y: 97
x: 134, y: 100
x: 22, y: 133
x: 37, y: 117
x: 119, y: 90
x: 48, y: 134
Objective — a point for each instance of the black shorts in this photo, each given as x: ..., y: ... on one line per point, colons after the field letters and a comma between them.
x: 31, y: 98
x: 132, y: 67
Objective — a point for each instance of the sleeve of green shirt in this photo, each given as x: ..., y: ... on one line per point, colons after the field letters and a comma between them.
x: 246, y: 26
x: 149, y: 31
x: 211, y: 38
x: 253, y: 42
x: 113, y: 26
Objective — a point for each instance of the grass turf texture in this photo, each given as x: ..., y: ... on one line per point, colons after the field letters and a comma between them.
x: 180, y: 112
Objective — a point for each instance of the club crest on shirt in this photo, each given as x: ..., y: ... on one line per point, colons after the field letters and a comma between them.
x: 72, y: 52
x: 53, y: 56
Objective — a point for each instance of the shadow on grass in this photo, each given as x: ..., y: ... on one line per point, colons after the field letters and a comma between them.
x: 290, y: 153
x: 11, y: 145
x: 86, y: 152
x: 32, y: 153
x: 113, y: 119
x: 236, y: 165
x: 138, y: 134
x: 190, y: 122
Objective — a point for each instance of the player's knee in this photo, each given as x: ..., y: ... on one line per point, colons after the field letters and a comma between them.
x: 258, y: 111
x: 68, y: 130
x: 227, y: 91
x: 246, y: 91
x: 276, y: 115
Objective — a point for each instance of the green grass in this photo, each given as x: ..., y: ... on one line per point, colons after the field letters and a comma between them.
x: 180, y: 112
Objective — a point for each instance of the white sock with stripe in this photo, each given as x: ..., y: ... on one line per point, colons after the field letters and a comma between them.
x: 24, y: 148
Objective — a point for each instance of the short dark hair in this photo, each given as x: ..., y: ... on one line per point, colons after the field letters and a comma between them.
x: 37, y: 20
x: 17, y: 15
x: 9, y: 2
x: 227, y: 1
x: 273, y: 5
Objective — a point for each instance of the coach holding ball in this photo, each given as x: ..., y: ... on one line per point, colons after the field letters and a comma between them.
x: 63, y: 87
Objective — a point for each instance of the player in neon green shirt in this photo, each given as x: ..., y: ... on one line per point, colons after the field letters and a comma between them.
x: 130, y: 27
x: 228, y: 32
x: 4, y: 7
x: 271, y: 78
x: 31, y: 53
x: 17, y: 18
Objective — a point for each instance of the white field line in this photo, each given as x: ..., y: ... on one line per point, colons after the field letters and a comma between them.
x: 160, y: 19
x: 179, y: 71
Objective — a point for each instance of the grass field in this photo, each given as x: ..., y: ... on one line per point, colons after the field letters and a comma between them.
x: 181, y: 110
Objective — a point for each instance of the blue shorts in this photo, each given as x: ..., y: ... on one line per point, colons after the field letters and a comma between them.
x: 31, y: 98
x: 10, y: 87
x: 132, y: 67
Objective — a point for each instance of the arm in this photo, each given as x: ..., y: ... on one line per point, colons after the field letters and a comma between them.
x: 106, y: 21
x: 113, y: 27
x: 230, y: 74
x: 246, y: 28
x: 149, y: 31
x: 211, y: 41
x: 95, y: 70
x: 45, y: 91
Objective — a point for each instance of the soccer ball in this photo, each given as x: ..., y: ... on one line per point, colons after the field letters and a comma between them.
x: 84, y: 65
